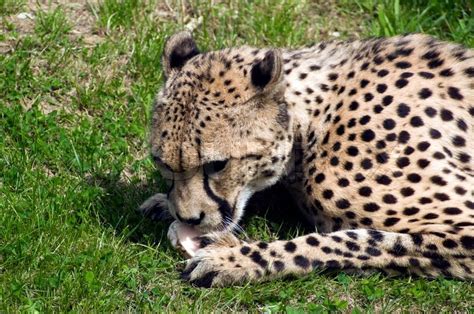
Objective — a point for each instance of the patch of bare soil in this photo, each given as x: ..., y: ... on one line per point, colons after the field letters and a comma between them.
x: 80, y: 15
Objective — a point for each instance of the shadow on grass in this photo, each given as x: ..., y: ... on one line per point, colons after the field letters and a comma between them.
x: 119, y: 201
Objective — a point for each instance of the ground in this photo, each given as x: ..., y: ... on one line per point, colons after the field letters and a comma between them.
x: 76, y: 84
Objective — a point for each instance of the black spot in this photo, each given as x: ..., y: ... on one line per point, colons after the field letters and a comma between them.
x: 398, y: 250
x: 435, y: 134
x: 442, y: 196
x: 320, y: 178
x: 403, y: 65
x: 383, y: 179
x: 382, y: 73
x: 462, y: 125
x: 373, y: 251
x: 435, y: 63
x: 328, y: 194
x: 454, y: 93
x: 440, y: 263
x: 333, y: 265
x: 410, y: 211
x: 348, y: 166
x: 365, y: 191
x: 459, y: 141
x: 391, y: 137
x: 343, y: 204
x: 245, y: 250
x: 350, y: 215
x: 452, y: 211
x: 368, y: 135
x: 403, y: 162
x: 423, y: 146
x: 382, y: 157
x: 446, y: 72
x: 426, y: 75
x: 416, y: 121
x: 463, y: 157
x: 366, y: 221
x: 354, y: 105
x: 407, y: 191
x: 414, y: 262
x: 416, y: 238
x: 279, y: 265
x: 403, y: 110
x: 391, y: 221
x: 334, y: 161
x: 359, y: 177
x: 446, y: 115
x: 364, y: 120
x: 387, y: 100
x: 368, y: 97
x: 389, y: 199
x: 290, y: 247
x: 389, y: 124
x: 352, y: 246
x: 380, y: 144
x: 262, y: 245
x: 326, y: 250
x: 403, y: 137
x: 467, y: 242
x: 381, y: 88
x: 400, y: 83
x: 352, y: 151
x: 257, y: 259
x: 301, y: 261
x: 366, y: 163
x: 450, y: 244
x: 408, y: 150
x: 310, y: 240
x: 430, y: 216
x: 414, y: 177
x: 438, y: 180
x: 469, y: 72
x: 431, y: 54
x: 430, y: 112
x: 378, y: 109
x: 343, y: 182
x: 363, y: 83
x: 425, y: 200
x: 425, y: 93
x: 371, y: 207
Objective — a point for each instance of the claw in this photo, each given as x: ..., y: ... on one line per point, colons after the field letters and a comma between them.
x: 185, y: 274
x: 206, y: 280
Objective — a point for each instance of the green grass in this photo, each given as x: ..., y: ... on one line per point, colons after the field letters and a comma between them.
x: 74, y: 159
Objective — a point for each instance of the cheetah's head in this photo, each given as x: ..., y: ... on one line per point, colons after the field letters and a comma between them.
x: 220, y: 130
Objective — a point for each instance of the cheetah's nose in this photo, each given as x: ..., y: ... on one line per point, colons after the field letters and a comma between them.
x: 191, y: 221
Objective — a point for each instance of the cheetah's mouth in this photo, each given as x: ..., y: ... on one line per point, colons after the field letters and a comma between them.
x: 187, y: 238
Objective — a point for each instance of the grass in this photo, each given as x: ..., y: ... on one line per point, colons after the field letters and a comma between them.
x: 74, y: 109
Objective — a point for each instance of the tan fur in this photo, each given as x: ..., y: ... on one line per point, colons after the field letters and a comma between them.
x: 378, y: 133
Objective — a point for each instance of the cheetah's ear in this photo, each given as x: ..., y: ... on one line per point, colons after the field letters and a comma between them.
x: 179, y: 48
x: 267, y: 72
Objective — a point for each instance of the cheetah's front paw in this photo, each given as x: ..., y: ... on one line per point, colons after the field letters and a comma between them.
x: 218, y: 267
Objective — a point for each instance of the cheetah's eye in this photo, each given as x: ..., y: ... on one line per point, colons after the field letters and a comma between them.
x: 213, y: 167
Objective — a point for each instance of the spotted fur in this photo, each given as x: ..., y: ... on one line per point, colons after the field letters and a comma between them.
x: 374, y: 137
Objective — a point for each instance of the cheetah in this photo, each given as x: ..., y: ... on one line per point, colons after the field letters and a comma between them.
x: 375, y: 139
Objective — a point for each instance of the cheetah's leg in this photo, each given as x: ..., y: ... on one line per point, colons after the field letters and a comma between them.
x: 426, y: 255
